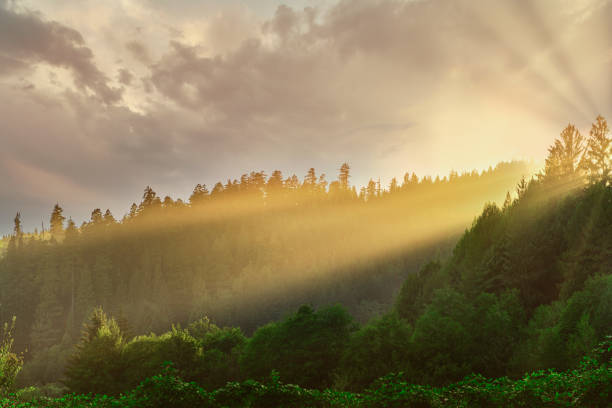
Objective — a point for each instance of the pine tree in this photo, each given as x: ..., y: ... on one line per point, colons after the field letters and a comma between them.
x: 521, y: 187
x: 322, y: 185
x: 108, y: 218
x: 16, y: 240
x: 311, y: 178
x: 56, y: 223
x: 199, y: 195
x: 393, y: 186
x: 344, y: 176
x: 97, y: 217
x: 96, y: 366
x: 133, y: 210
x: 371, y: 190
x: 217, y: 190
x: 565, y: 155
x: 507, y: 201
x: 598, y: 161
x: 275, y: 185
x: 148, y: 197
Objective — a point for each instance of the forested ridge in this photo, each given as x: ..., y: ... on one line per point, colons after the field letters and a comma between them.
x: 243, y: 254
x: 526, y: 287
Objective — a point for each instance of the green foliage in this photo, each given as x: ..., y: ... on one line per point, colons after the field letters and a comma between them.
x: 374, y: 350
x: 305, y: 347
x: 245, y: 254
x: 167, y: 390
x: 96, y: 365
x: 105, y: 363
x: 10, y: 362
x: 589, y: 385
x: 33, y: 393
x: 527, y: 287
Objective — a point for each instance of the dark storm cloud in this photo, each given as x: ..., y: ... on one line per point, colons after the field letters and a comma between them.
x: 26, y: 39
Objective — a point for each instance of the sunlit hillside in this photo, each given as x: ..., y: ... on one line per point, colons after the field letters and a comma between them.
x: 526, y: 287
x: 243, y: 254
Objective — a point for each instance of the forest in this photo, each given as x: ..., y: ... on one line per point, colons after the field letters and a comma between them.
x: 271, y: 291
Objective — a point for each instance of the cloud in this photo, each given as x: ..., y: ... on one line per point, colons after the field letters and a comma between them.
x: 388, y: 85
x: 124, y: 76
x: 26, y: 39
x: 139, y: 51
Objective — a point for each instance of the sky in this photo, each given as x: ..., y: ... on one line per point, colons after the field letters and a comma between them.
x: 102, y: 98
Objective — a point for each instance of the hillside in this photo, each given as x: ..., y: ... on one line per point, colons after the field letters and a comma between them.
x: 528, y: 286
x: 243, y: 254
x: 496, y: 321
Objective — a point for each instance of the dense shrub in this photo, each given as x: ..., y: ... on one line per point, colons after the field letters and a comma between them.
x: 305, y: 348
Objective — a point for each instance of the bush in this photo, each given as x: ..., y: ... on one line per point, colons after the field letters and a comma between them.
x: 10, y: 362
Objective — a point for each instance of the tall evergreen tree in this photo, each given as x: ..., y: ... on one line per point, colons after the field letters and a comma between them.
x: 56, y: 223
x: 565, y: 155
x: 344, y: 176
x: 108, y: 218
x: 311, y: 177
x: 17, y: 238
x: 599, y: 151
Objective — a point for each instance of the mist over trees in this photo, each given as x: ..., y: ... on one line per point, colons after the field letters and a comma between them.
x: 242, y: 253
x: 526, y: 287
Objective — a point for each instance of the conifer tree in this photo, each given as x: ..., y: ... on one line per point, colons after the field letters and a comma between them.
x: 133, y: 210
x: 344, y: 176
x: 17, y: 238
x: 218, y: 189
x: 322, y: 185
x: 275, y: 185
x: 97, y: 217
x: 311, y: 178
x: 199, y: 195
x: 599, y: 152
x: 507, y: 201
x: 393, y: 186
x: 565, y: 155
x: 371, y: 190
x: 521, y: 187
x: 56, y: 223
x: 108, y: 218
x: 96, y: 367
